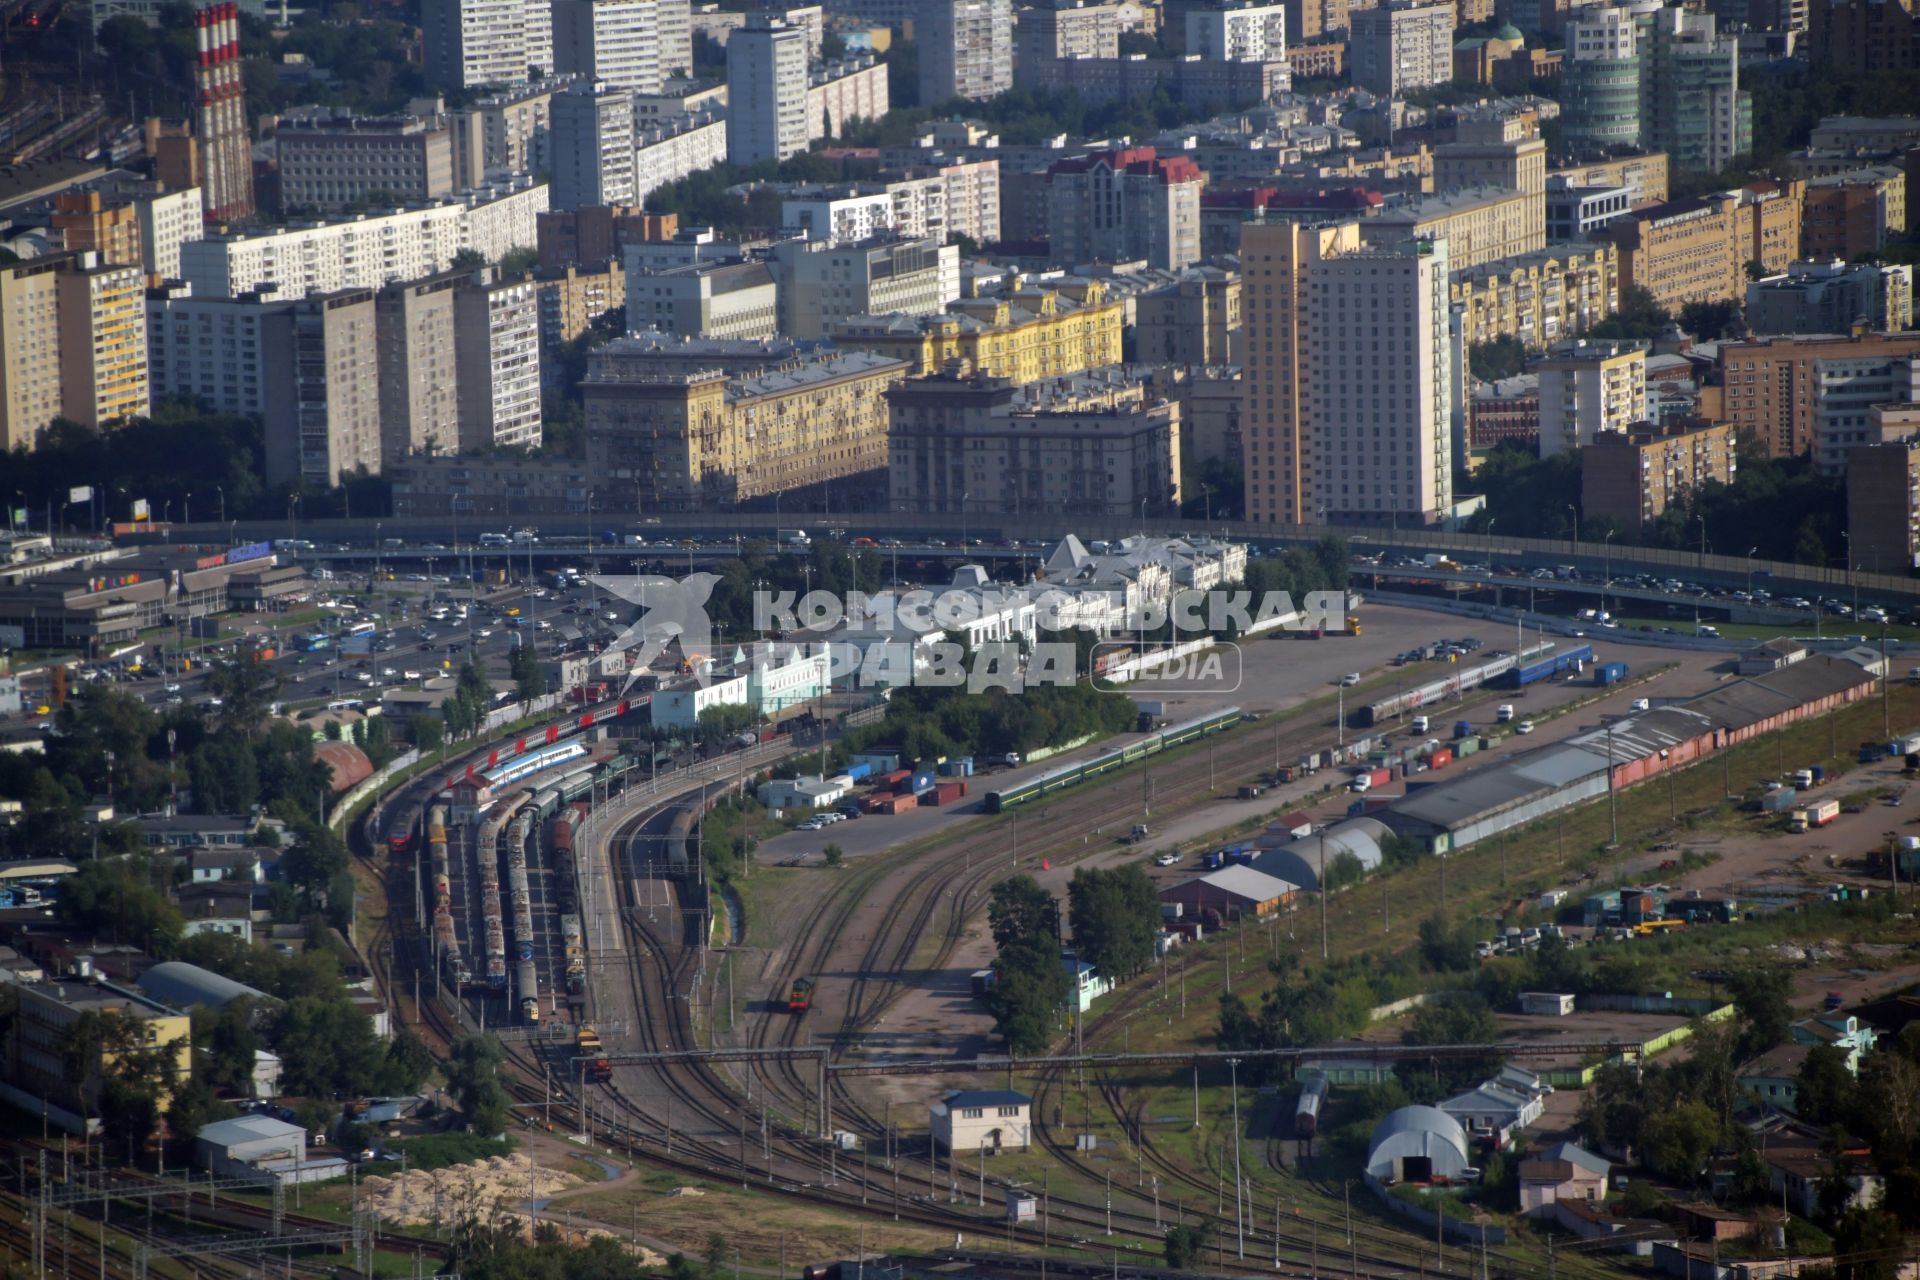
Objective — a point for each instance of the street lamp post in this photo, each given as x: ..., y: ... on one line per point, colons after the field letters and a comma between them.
x: 1574, y: 515
x: 221, y: 490
x: 1606, y: 568
x: 1750, y: 555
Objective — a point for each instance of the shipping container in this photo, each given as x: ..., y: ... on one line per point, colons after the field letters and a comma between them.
x: 1381, y: 777
x: 859, y: 771
x: 1463, y: 728
x: 894, y: 780
x: 1823, y: 812
x: 919, y: 780
x: 1609, y: 672
x: 1777, y: 801
x: 948, y: 792
x: 1464, y: 747
x: 898, y: 802
x: 1440, y: 758
x: 879, y: 762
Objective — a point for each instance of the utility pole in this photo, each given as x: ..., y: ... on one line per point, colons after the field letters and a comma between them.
x: 1239, y: 1213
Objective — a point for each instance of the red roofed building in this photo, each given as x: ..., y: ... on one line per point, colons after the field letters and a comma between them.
x: 348, y: 763
x: 1123, y: 205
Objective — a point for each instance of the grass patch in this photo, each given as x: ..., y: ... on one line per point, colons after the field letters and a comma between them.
x: 440, y: 1150
x: 1830, y: 627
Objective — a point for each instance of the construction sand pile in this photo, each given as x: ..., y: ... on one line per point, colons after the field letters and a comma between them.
x: 478, y: 1189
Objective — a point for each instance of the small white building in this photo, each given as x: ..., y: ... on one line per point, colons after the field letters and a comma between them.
x: 680, y: 708
x: 1088, y: 983
x: 1546, y: 1004
x: 982, y: 1119
x: 1510, y: 1101
x: 261, y: 1147
x: 266, y: 1074
x: 803, y: 793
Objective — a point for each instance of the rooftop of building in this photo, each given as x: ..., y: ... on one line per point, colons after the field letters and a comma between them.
x: 791, y: 378
x: 1864, y: 174
x: 1139, y: 161
x: 1420, y: 208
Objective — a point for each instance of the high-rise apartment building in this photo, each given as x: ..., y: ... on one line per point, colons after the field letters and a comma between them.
x: 537, y: 24
x: 323, y: 414
x: 730, y: 299
x: 1349, y: 378
x: 613, y: 42
x: 1126, y: 204
x: 220, y: 114
x: 502, y: 135
x: 1194, y: 320
x: 1770, y: 383
x: 498, y: 354
x: 329, y: 162
x: 1851, y: 393
x: 1321, y: 21
x: 1402, y: 45
x: 1064, y: 29
x: 89, y: 222
x: 419, y: 368
x: 1600, y: 81
x: 592, y: 146
x: 1883, y: 504
x: 966, y: 49
x: 1852, y: 215
x: 1380, y: 369
x: 766, y: 91
x: 1246, y: 31
x: 1589, y: 388
x: 1862, y: 37
x: 73, y: 344
x: 471, y: 43
x: 1662, y: 79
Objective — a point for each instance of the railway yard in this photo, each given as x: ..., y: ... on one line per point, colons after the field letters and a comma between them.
x: 758, y: 1057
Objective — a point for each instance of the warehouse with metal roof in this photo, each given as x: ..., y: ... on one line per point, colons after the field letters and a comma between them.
x: 1299, y: 861
x: 187, y: 986
x: 1417, y: 1144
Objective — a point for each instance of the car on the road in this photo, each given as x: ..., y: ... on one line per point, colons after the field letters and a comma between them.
x: 1525, y: 726
x: 1641, y: 704
x: 1350, y: 679
x: 1166, y: 859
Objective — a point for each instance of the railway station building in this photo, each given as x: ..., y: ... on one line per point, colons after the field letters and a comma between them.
x: 992, y: 1120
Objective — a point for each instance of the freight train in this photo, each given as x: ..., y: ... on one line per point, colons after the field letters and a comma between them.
x: 573, y: 943
x: 1146, y: 745
x: 492, y: 911
x: 526, y: 979
x: 1462, y: 679
x: 446, y: 933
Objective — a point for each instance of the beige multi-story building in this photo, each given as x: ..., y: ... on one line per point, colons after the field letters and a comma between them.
x: 30, y: 349
x: 1832, y: 297
x: 1126, y: 205
x: 39, y: 1045
x: 90, y: 222
x: 1046, y: 33
x: 1097, y: 443
x: 1769, y: 385
x: 1540, y: 298
x: 729, y: 299
x: 1276, y: 262
x: 1852, y: 215
x: 497, y: 350
x: 1401, y: 45
x: 326, y: 422
x: 840, y: 93
x: 683, y: 442
x: 1035, y: 332
x: 823, y: 283
x: 103, y: 342
x: 571, y: 298
x: 1587, y: 388
x: 1631, y: 477
x: 503, y: 135
x: 1484, y: 223
x: 329, y: 163
x: 1883, y: 504
x: 1645, y: 175
x: 1519, y: 164
x: 1194, y: 320
x: 1682, y: 251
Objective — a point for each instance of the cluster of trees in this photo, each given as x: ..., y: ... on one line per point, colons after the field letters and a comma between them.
x: 1782, y: 506
x: 1116, y: 918
x: 182, y: 459
x: 925, y: 723
x: 1031, y: 988
x: 705, y: 198
x: 498, y: 1250
x: 464, y: 712
x: 1312, y: 1004
x: 473, y: 1078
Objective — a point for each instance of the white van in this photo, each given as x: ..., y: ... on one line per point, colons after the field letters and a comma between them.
x: 1419, y: 724
x: 1505, y: 714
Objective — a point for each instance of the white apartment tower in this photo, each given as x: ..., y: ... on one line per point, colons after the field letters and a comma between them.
x: 613, y: 42
x: 766, y: 91
x: 498, y: 345
x: 1402, y: 45
x: 966, y: 49
x: 1238, y: 33
x: 592, y: 146
x: 469, y: 43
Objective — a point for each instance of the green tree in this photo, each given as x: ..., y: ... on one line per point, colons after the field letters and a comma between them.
x: 425, y: 731
x: 1867, y: 1245
x: 245, y: 689
x: 118, y: 898
x: 1497, y: 358
x: 1184, y: 1246
x: 1760, y: 997
x: 1824, y: 1086
x: 1019, y: 910
x: 716, y: 1255
x: 472, y: 1072
x: 193, y: 1107
x: 1028, y: 996
x: 1445, y: 948
x: 1676, y: 1140
x: 523, y: 666
x: 834, y: 855
x: 1116, y: 917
